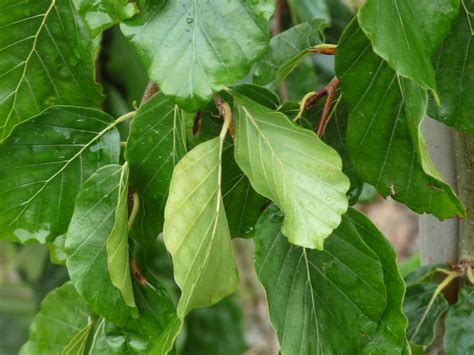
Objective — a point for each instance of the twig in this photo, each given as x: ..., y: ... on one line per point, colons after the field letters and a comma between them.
x: 276, y: 29
x: 326, y: 49
x: 197, y: 123
x: 330, y: 90
x: 225, y: 113
x: 150, y: 90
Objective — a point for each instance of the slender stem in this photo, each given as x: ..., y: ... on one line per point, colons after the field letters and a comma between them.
x: 135, y: 207
x: 226, y: 114
x: 331, y: 91
x: 327, y: 49
x: 125, y: 117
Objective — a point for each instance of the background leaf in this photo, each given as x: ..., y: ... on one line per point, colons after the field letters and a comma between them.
x: 47, y: 59
x: 44, y: 163
x: 196, y: 232
x: 383, y: 134
x: 195, y: 57
x: 91, y: 224
x: 454, y: 64
x: 292, y: 167
x: 344, y: 299
x: 405, y: 39
x: 459, y: 324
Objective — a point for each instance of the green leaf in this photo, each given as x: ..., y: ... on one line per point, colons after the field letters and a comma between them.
x: 454, y: 74
x: 44, y: 163
x: 196, y: 232
x: 102, y: 14
x: 306, y: 10
x: 117, y: 243
x: 406, y: 33
x: 195, y: 58
x: 383, y: 133
x: 47, y: 59
x: 287, y: 50
x: 91, y: 225
x: 156, y: 143
x: 242, y: 203
x: 292, y: 167
x: 62, y: 322
x: 345, y: 299
x: 459, y: 325
x: 215, y: 330
x: 421, y: 329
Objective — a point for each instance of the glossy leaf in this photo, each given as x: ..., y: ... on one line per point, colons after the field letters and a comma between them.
x: 195, y: 58
x: 102, y: 14
x: 118, y: 262
x: 242, y: 203
x: 406, y: 33
x: 63, y: 321
x: 459, y: 325
x: 383, y: 132
x: 422, y: 330
x: 196, y: 232
x: 287, y: 50
x: 44, y: 163
x: 292, y: 167
x: 344, y: 299
x: 454, y: 74
x: 91, y: 225
x: 47, y: 59
x: 156, y: 143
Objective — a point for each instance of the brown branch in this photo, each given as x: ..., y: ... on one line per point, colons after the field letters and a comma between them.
x: 276, y: 29
x: 325, y: 51
x: 150, y: 90
x: 219, y: 101
x: 330, y: 90
x: 197, y: 123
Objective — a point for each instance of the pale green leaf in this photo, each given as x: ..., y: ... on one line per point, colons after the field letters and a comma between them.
x: 44, y: 163
x: 287, y: 50
x: 102, y: 14
x: 62, y: 322
x: 194, y: 49
x: 118, y: 262
x: 406, y: 33
x: 47, y: 59
x: 345, y: 299
x: 196, y: 232
x: 306, y: 10
x: 292, y: 167
x: 454, y: 64
x: 91, y: 225
x: 383, y: 132
x: 459, y: 325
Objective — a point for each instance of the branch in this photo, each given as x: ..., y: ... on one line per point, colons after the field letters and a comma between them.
x: 330, y: 90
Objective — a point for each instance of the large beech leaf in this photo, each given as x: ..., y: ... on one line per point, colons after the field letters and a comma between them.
x: 156, y: 143
x: 91, y: 225
x: 43, y: 165
x: 196, y: 232
x: 383, y: 133
x: 459, y: 325
x: 287, y: 50
x: 406, y: 33
x: 102, y: 14
x: 194, y: 49
x: 118, y: 262
x: 294, y: 168
x: 455, y: 75
x: 47, y: 59
x: 63, y: 321
x: 345, y: 299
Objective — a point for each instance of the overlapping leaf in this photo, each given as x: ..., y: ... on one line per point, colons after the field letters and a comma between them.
x: 287, y: 50
x: 454, y: 74
x: 406, y: 33
x: 156, y: 143
x: 345, y: 299
x: 196, y: 232
x: 64, y: 320
x: 292, y: 167
x: 44, y: 163
x: 194, y: 49
x: 91, y: 225
x: 47, y: 59
x: 102, y: 14
x: 383, y: 135
x: 306, y: 10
